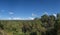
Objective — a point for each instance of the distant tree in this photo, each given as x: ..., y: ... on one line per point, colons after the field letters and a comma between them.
x: 51, y: 21
x: 1, y: 25
x: 44, y: 18
x: 57, y: 24
x: 26, y: 27
x: 33, y: 33
x: 48, y: 23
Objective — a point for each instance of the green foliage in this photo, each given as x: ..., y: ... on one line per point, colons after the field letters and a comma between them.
x: 44, y: 25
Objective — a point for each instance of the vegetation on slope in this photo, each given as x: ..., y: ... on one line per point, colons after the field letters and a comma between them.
x: 46, y: 25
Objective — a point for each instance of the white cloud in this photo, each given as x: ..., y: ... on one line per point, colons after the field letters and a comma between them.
x: 55, y: 15
x: 31, y: 18
x: 11, y: 13
x: 9, y: 18
x: 45, y: 13
x: 18, y: 18
x: 34, y: 14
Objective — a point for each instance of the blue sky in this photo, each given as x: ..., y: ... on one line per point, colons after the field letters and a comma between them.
x: 28, y: 9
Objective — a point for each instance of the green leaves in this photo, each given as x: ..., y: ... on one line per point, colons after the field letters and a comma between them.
x: 43, y: 24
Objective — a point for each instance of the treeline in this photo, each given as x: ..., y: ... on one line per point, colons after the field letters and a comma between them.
x: 46, y: 25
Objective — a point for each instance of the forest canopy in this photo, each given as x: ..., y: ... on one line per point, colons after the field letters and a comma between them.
x: 46, y: 25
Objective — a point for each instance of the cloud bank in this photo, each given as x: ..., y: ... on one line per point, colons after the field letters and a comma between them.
x: 18, y: 18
